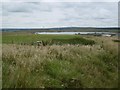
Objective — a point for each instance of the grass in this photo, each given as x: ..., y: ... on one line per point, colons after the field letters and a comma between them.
x: 32, y: 38
x: 116, y: 40
x: 60, y: 66
x: 47, y: 39
x: 73, y: 41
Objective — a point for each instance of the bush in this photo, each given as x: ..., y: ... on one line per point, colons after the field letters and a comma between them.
x: 73, y: 41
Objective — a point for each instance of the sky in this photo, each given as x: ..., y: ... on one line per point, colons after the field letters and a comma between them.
x: 58, y: 13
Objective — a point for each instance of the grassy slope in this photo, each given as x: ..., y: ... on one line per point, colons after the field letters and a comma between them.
x: 61, y: 66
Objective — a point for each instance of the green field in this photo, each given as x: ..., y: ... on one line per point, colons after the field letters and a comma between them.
x: 70, y: 61
x: 47, y: 39
x: 33, y: 38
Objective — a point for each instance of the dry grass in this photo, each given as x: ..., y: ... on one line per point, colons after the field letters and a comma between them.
x: 0, y: 66
x: 61, y: 65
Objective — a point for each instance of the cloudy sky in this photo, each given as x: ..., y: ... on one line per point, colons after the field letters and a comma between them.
x: 59, y: 13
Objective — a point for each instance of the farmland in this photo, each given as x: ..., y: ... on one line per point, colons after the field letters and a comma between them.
x: 65, y: 61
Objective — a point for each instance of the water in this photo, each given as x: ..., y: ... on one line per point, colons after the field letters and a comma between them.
x: 72, y: 33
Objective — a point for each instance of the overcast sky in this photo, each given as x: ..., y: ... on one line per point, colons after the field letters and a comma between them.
x: 59, y: 13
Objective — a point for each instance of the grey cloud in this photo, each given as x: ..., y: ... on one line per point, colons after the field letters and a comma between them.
x: 17, y: 7
x: 26, y: 7
x: 59, y: 14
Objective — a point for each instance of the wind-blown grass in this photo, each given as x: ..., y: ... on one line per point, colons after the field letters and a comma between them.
x: 82, y: 66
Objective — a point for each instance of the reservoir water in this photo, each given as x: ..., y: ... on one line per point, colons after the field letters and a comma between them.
x: 72, y: 33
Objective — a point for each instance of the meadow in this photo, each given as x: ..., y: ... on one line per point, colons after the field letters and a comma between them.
x: 65, y: 61
x: 30, y: 39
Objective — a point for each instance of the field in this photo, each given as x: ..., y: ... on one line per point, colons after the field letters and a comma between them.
x: 61, y: 61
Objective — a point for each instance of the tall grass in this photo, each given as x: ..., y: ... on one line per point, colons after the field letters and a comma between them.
x: 62, y: 66
x: 0, y: 66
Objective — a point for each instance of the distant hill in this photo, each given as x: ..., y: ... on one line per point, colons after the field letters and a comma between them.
x: 62, y: 29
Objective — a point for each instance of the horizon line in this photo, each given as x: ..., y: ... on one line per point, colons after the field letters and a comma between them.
x: 58, y: 27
